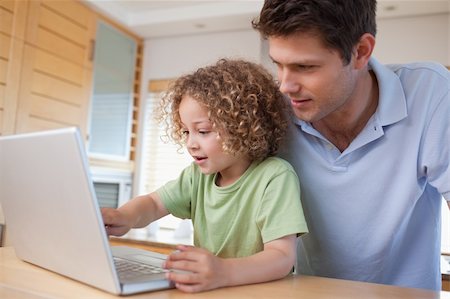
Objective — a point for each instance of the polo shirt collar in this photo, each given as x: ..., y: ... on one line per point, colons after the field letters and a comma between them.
x: 392, y: 99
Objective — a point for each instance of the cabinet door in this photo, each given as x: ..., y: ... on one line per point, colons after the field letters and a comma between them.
x: 55, y: 81
x: 112, y: 102
x: 12, y: 28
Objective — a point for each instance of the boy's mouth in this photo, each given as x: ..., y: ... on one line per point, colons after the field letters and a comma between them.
x: 197, y: 158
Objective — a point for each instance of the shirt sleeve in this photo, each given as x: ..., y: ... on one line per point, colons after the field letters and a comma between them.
x: 435, y: 153
x: 176, y: 195
x: 280, y: 213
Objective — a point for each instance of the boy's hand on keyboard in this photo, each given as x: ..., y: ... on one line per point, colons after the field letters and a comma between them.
x: 195, y: 269
x: 116, y: 223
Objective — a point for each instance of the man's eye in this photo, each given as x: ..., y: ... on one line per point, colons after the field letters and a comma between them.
x: 305, y: 67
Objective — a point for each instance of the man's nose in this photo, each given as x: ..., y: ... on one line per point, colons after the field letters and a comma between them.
x: 287, y: 83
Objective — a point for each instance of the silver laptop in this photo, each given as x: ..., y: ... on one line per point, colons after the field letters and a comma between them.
x: 53, y: 219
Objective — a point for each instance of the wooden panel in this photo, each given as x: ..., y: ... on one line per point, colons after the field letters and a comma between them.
x: 4, y: 56
x: 62, y: 26
x: 50, y: 109
x: 72, y: 10
x: 36, y: 124
x: 54, y: 88
x: 446, y: 285
x: 49, y: 101
x: 158, y: 85
x: 53, y: 43
x: 55, y: 83
x: 6, y: 20
x: 3, y: 71
x: 5, y: 43
x: 58, y: 67
x: 11, y: 49
x: 2, y: 98
x: 146, y: 245
x: 7, y: 4
x: 112, y: 164
x: 61, y: 32
x: 24, y: 102
x: 136, y: 100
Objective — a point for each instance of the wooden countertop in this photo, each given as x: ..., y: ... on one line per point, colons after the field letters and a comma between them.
x: 19, y: 280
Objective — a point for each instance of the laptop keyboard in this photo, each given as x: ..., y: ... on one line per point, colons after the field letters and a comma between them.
x: 127, y: 269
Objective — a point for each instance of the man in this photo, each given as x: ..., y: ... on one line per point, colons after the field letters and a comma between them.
x: 370, y: 144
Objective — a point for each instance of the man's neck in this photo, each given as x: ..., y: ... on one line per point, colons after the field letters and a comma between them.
x: 342, y: 127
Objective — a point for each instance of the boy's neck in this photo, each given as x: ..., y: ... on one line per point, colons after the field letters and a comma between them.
x: 231, y: 174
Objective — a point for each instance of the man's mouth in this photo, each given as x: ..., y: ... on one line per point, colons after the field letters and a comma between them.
x: 298, y: 103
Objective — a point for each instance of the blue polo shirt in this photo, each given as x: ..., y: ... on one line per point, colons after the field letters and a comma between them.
x: 374, y: 210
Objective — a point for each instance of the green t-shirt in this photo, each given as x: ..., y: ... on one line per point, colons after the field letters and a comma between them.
x: 236, y: 220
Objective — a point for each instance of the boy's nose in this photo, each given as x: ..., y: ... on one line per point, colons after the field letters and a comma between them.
x: 191, y: 142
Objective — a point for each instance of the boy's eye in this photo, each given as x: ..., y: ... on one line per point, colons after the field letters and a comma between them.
x: 203, y: 132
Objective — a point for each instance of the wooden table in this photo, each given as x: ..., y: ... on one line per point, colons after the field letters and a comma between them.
x: 19, y: 280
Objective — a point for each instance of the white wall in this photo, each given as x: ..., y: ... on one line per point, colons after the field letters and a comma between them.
x: 418, y: 38
x: 399, y: 40
x: 166, y: 58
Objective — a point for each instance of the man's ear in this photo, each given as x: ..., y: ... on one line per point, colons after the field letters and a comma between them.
x: 363, y: 50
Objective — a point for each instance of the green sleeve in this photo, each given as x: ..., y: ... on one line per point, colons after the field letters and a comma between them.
x: 280, y: 213
x: 176, y: 195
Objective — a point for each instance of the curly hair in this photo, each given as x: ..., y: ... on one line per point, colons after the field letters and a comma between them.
x: 340, y: 23
x: 244, y: 105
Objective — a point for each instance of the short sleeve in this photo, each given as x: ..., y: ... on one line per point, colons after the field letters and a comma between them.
x: 435, y: 148
x: 281, y: 213
x: 176, y: 195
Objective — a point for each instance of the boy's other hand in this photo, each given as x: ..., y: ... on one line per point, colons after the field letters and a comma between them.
x: 195, y: 269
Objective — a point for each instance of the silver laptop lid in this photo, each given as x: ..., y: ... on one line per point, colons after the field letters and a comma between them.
x: 44, y: 187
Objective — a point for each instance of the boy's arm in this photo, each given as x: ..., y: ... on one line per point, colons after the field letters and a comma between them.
x: 210, y: 272
x: 138, y: 212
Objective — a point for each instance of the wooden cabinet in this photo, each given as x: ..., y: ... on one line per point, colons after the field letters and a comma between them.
x: 56, y: 72
x: 12, y: 31
x: 446, y: 283
x: 46, y: 67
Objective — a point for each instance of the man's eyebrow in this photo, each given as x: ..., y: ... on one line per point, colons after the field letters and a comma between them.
x: 303, y: 62
x: 273, y: 60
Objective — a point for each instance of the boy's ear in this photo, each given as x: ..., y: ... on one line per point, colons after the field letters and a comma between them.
x: 363, y: 50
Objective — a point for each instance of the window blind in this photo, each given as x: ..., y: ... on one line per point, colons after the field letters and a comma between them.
x: 107, y: 194
x: 161, y: 161
x: 112, y: 98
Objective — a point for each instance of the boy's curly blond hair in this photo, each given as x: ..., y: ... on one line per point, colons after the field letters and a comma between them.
x: 244, y: 104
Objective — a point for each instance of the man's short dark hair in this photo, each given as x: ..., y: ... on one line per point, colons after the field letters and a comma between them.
x: 339, y: 23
